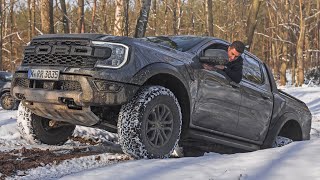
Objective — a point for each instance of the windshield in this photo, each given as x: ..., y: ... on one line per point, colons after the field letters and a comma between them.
x: 180, y: 43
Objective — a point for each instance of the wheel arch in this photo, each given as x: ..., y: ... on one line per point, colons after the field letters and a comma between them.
x: 169, y: 77
x: 288, y: 126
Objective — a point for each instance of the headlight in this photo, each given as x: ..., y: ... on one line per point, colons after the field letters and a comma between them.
x: 117, y: 58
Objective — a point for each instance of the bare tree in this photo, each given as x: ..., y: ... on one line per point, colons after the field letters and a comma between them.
x: 1, y: 17
x: 300, y: 42
x: 118, y: 21
x: 252, y: 21
x: 143, y: 19
x: 29, y: 20
x: 179, y: 13
x: 154, y: 16
x: 47, y: 16
x: 33, y: 17
x: 285, y: 54
x: 104, y: 16
x: 209, y: 17
x: 126, y: 17
x: 174, y: 17
x: 93, y: 17
x: 166, y: 17
x: 11, y: 32
x: 81, y: 26
x: 65, y: 20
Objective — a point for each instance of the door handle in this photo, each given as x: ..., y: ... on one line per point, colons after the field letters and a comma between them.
x: 265, y: 97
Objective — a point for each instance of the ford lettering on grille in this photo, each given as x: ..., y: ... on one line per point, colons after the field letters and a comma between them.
x: 43, y: 74
x: 60, y: 50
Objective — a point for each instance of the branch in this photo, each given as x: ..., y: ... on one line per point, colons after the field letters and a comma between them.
x: 281, y: 40
x: 310, y: 17
x: 38, y: 30
x: 6, y: 50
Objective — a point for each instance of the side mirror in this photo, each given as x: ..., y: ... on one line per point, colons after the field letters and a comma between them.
x: 215, y: 57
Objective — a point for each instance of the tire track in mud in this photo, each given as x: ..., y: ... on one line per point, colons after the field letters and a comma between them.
x: 18, y: 162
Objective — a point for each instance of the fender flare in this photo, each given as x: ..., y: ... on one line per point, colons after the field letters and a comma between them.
x: 274, y: 131
x: 156, y: 68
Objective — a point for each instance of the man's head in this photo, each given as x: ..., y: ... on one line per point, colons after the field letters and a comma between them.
x: 235, y: 50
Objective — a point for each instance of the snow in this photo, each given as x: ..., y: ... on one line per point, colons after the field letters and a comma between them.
x: 298, y: 160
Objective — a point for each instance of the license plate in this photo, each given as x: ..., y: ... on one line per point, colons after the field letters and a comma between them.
x: 44, y: 74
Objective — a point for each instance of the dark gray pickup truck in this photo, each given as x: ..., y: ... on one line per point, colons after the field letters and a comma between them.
x: 154, y: 93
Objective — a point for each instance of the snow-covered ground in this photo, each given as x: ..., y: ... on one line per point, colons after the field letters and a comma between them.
x: 298, y: 160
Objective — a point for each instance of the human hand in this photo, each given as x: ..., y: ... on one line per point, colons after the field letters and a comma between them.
x: 221, y: 67
x: 208, y: 67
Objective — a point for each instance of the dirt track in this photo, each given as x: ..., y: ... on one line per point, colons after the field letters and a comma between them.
x: 15, y: 162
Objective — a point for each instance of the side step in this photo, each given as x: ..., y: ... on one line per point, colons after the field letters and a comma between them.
x: 204, y: 136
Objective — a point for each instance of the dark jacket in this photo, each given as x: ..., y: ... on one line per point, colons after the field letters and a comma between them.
x: 234, y: 69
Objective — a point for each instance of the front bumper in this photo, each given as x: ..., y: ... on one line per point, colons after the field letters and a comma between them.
x: 70, y: 98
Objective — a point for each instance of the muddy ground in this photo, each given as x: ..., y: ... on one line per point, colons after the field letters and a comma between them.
x: 16, y: 162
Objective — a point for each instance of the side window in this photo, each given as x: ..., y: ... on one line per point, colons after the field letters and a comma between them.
x: 251, y: 70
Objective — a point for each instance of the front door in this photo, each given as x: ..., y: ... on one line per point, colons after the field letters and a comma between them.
x: 217, y: 105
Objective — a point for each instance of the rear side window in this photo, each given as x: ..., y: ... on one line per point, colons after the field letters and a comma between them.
x: 251, y: 70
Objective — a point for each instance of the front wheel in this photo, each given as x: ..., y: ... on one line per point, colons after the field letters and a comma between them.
x: 37, y: 130
x: 149, y: 125
x: 8, y: 102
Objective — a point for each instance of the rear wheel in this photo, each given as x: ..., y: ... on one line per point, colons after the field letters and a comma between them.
x: 149, y: 125
x: 36, y: 129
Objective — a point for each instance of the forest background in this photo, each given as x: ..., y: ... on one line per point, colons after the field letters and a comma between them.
x: 285, y: 34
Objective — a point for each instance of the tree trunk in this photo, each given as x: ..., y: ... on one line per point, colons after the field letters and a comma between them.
x: 166, y: 17
x: 118, y: 21
x: 33, y: 17
x: 143, y: 19
x: 252, y: 21
x: 11, y: 31
x: 81, y: 26
x: 126, y: 17
x: 191, y: 29
x: 318, y: 35
x: 210, y: 17
x: 179, y: 9
x: 154, y: 17
x: 65, y: 19
x: 104, y: 17
x: 93, y: 17
x: 1, y: 17
x: 45, y: 16
x: 285, y: 55
x: 51, y: 25
x: 299, y: 48
x: 29, y: 20
x: 174, y: 17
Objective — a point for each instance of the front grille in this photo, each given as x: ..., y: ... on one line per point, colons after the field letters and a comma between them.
x: 56, y: 60
x: 71, y: 53
x: 66, y: 85
x: 60, y: 42
x: 70, y: 85
x: 22, y: 82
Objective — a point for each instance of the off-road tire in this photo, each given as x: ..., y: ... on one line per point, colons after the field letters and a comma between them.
x: 8, y: 102
x: 36, y: 129
x: 149, y: 125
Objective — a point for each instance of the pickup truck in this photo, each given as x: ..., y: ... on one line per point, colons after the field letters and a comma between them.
x: 154, y: 93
